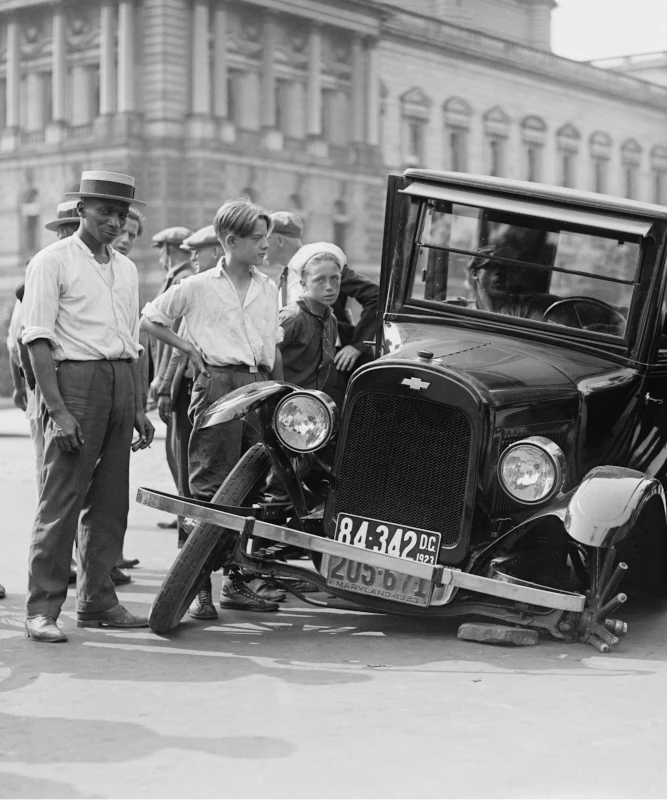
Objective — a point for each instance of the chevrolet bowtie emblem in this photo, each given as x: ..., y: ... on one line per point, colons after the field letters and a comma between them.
x: 415, y: 383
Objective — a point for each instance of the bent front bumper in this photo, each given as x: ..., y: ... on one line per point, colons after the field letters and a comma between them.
x: 438, y: 575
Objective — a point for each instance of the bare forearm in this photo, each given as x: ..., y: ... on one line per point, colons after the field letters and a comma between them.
x: 17, y: 378
x: 166, y: 335
x: 44, y: 368
x: 277, y: 373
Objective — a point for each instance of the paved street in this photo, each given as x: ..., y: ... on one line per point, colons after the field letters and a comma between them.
x: 305, y: 702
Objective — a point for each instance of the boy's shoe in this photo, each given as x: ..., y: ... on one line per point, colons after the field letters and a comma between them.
x: 202, y: 606
x: 267, y: 591
x: 3, y: 593
x: 235, y: 593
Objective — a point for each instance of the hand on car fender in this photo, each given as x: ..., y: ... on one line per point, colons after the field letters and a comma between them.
x: 346, y: 358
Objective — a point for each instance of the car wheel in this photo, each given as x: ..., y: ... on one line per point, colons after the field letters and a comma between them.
x: 207, y: 544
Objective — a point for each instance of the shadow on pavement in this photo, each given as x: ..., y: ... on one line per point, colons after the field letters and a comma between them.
x: 22, y: 786
x: 52, y: 740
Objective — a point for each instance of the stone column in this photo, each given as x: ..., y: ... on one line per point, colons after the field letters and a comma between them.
x: 10, y: 134
x: 358, y: 91
x: 314, y: 91
x: 372, y: 95
x: 201, y: 72
x: 226, y: 128
x: 126, y: 66
x: 59, y: 66
x: 271, y: 137
x: 107, y: 59
x: 201, y: 121
x: 34, y: 120
x: 81, y: 95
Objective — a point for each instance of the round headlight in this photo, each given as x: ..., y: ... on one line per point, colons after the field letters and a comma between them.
x: 305, y: 421
x: 532, y: 470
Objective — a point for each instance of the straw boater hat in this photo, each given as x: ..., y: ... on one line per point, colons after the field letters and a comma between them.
x: 67, y: 215
x: 107, y: 186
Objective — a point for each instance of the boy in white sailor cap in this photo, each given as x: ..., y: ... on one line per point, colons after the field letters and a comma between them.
x: 80, y: 313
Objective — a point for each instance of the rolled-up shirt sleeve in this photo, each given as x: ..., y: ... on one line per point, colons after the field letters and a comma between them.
x: 41, y: 299
x: 169, y: 306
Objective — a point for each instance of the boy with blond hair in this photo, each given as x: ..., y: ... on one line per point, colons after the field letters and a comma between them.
x: 232, y: 336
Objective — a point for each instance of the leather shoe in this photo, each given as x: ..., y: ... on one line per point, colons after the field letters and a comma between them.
x: 167, y: 526
x: 127, y: 563
x: 116, y: 617
x: 118, y: 577
x: 43, y: 628
x: 3, y: 593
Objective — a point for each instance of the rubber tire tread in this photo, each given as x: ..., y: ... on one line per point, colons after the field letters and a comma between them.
x: 198, y: 555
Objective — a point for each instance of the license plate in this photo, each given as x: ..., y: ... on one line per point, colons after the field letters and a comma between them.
x: 383, y: 537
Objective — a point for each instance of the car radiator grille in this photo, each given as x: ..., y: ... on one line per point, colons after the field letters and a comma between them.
x: 406, y: 462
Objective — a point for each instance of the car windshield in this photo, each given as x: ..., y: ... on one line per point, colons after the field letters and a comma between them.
x: 529, y: 267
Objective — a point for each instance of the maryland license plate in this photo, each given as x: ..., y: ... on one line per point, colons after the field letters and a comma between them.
x: 383, y: 537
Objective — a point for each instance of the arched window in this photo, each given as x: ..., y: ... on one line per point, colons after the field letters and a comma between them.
x: 457, y: 116
x: 631, y: 154
x: 415, y: 111
x: 600, y: 147
x: 533, y: 136
x: 496, y: 133
x: 659, y: 174
x: 568, y: 140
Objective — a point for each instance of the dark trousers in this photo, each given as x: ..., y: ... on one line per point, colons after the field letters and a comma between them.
x: 179, y: 432
x: 213, y: 452
x: 89, y: 488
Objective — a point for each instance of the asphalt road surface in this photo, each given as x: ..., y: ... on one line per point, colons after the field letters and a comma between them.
x: 308, y: 703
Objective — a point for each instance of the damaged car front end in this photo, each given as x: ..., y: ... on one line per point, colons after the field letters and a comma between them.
x: 502, y: 458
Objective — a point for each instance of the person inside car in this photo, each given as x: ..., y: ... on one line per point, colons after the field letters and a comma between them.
x: 497, y: 287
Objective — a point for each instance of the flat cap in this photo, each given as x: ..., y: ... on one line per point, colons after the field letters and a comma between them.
x: 287, y: 223
x: 173, y: 236
x: 204, y: 237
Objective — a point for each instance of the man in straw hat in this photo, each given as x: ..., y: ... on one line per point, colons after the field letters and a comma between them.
x: 82, y: 328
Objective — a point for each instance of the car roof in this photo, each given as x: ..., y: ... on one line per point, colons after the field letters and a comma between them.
x: 540, y: 191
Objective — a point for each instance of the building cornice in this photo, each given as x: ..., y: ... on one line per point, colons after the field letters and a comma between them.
x: 445, y: 37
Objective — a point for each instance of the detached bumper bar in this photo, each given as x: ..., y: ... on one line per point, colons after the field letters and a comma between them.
x: 435, y: 573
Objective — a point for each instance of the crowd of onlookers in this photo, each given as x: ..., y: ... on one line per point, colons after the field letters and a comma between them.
x: 87, y: 372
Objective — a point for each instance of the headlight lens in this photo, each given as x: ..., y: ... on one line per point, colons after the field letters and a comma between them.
x: 305, y: 421
x: 532, y: 470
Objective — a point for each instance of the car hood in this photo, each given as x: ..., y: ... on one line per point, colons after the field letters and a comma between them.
x: 506, y: 368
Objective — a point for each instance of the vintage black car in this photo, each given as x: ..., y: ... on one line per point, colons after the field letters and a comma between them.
x: 503, y: 457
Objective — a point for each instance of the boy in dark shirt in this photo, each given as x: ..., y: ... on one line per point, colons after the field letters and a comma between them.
x: 309, y: 325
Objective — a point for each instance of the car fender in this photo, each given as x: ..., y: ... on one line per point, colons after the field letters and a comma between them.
x: 604, y: 508
x: 242, y: 401
x: 607, y: 504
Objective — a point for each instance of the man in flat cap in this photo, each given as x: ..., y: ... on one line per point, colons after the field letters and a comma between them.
x: 80, y: 314
x: 284, y: 241
x: 175, y: 387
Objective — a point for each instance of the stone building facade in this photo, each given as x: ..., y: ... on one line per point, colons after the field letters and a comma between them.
x: 304, y: 105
